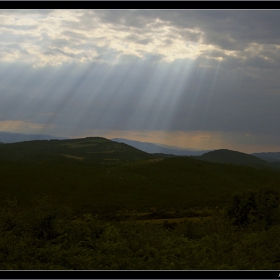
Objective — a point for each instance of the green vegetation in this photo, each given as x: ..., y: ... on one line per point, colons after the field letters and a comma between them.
x: 257, y: 208
x: 46, y: 236
x: 95, y: 204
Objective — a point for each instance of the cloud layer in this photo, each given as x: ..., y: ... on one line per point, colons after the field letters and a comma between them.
x: 57, y: 36
x: 70, y: 72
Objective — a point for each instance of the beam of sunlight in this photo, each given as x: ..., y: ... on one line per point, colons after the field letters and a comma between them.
x: 161, y: 97
x: 209, y: 94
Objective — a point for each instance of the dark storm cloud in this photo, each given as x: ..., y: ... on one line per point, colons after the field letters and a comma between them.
x: 231, y: 30
x: 260, y: 62
x: 269, y: 58
x: 227, y: 29
x: 189, y: 35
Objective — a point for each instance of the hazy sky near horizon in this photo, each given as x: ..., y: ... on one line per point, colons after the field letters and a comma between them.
x: 205, y: 79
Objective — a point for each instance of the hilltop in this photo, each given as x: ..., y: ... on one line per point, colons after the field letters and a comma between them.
x: 234, y: 157
x: 89, y: 149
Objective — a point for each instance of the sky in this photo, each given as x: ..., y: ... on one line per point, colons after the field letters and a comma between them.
x: 201, y: 79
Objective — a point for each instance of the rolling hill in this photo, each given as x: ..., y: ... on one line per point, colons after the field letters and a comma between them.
x: 90, y: 149
x: 234, y: 157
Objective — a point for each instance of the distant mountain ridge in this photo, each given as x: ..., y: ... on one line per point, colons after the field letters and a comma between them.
x: 11, y: 137
x: 156, y: 148
x: 31, y: 146
x: 269, y: 156
x: 234, y: 157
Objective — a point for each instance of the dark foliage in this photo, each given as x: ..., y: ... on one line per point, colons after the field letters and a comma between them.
x: 255, y: 207
x: 49, y: 237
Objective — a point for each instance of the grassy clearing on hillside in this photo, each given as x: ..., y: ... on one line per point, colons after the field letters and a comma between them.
x: 74, y: 157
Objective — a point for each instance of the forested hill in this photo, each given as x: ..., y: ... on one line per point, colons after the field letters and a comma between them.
x: 233, y: 157
x: 91, y: 149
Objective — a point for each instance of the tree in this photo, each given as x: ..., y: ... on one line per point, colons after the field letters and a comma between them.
x: 255, y: 207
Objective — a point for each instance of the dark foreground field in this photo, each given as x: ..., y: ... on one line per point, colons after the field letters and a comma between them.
x: 96, y: 204
x: 48, y: 237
